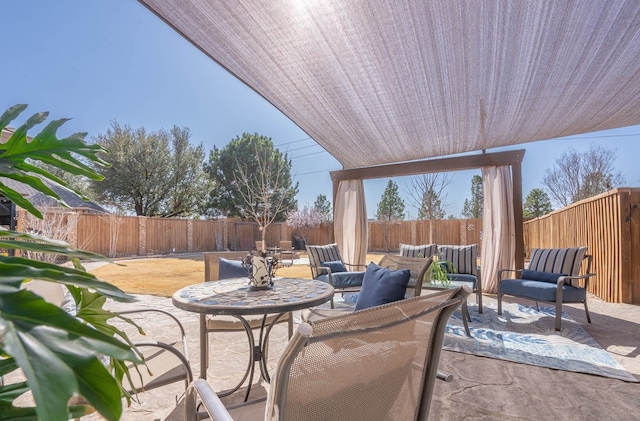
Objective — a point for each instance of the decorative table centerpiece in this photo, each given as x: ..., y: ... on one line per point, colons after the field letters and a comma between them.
x: 261, y: 269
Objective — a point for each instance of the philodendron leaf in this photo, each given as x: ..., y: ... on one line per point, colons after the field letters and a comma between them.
x: 13, y: 240
x: 54, y: 348
x: 47, y: 148
x: 16, y: 269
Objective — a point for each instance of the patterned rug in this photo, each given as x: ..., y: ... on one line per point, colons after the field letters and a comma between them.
x: 527, y: 336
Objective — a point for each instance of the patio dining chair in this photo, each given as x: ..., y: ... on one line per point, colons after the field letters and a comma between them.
x: 375, y: 364
x: 166, y: 362
x: 327, y: 265
x: 286, y: 253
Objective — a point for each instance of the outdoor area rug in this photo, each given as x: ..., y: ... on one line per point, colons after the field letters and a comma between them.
x: 524, y: 335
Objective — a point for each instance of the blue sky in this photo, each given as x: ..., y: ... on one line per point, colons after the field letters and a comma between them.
x: 103, y: 60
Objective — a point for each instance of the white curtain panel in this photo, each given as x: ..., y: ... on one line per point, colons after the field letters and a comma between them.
x: 350, y: 222
x: 498, y: 227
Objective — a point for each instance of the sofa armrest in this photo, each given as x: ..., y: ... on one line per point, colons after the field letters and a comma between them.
x: 501, y: 271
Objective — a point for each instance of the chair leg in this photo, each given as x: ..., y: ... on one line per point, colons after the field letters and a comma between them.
x: 558, y: 314
x: 586, y: 310
x: 466, y: 318
x: 290, y: 325
x: 537, y: 308
x: 499, y: 302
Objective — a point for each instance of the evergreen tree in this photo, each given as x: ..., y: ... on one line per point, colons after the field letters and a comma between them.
x: 391, y: 205
x: 473, y: 207
x: 252, y: 180
x: 323, y: 207
x: 537, y: 204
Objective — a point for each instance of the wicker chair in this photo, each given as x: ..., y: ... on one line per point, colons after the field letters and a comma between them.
x: 375, y: 364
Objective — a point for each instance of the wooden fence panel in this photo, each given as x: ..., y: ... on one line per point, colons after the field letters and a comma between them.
x: 95, y: 233
x: 208, y: 235
x: 166, y: 236
x: 608, y: 224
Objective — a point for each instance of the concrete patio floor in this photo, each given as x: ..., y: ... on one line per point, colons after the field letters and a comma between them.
x: 482, y: 388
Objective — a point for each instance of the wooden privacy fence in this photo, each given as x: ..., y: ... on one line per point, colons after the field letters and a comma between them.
x: 387, y: 236
x: 609, y: 225
x: 120, y: 236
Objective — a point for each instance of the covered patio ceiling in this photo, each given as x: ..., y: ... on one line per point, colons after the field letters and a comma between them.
x: 379, y: 82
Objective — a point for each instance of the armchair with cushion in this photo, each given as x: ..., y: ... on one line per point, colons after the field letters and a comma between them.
x: 462, y: 264
x: 378, y: 363
x: 553, y: 275
x: 328, y: 266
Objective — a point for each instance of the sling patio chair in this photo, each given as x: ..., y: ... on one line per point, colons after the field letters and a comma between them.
x: 166, y: 362
x: 553, y: 276
x: 380, y: 363
x: 327, y: 265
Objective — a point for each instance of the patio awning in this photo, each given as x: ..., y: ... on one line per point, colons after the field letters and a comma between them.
x: 377, y: 82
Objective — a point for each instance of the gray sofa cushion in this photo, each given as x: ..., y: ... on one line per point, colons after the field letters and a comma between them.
x: 343, y: 279
x: 535, y: 275
x: 541, y: 290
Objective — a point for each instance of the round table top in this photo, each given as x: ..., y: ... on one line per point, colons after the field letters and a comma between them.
x: 234, y: 296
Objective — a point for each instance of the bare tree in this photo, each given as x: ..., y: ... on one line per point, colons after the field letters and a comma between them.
x: 427, y: 194
x: 114, y: 221
x: 55, y: 225
x: 577, y: 176
x: 263, y: 194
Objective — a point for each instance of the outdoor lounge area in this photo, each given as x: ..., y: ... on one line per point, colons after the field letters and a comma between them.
x: 481, y: 387
x: 500, y: 329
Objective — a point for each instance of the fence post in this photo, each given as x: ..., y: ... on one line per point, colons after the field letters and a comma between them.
x: 463, y: 231
x: 72, y: 220
x: 413, y: 226
x: 225, y: 234
x: 189, y: 235
x: 142, y: 238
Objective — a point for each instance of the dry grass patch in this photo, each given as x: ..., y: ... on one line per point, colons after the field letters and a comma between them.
x: 164, y: 276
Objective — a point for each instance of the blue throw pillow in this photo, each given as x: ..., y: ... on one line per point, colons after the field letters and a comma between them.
x: 535, y: 275
x: 335, y: 266
x: 231, y: 269
x: 382, y: 286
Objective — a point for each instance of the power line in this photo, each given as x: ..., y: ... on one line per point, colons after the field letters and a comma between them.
x: 293, y: 141
x: 315, y: 172
x: 309, y: 154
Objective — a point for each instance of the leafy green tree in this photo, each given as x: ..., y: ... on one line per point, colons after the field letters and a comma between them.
x: 577, y: 176
x: 56, y: 352
x: 323, y: 207
x: 537, y: 204
x: 473, y: 207
x: 152, y: 173
x: 252, y: 178
x: 391, y: 205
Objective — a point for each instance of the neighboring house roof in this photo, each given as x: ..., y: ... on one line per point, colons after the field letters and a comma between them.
x: 40, y: 200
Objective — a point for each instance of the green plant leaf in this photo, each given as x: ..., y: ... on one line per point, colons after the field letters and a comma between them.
x: 13, y: 240
x: 53, y: 347
x: 17, y: 269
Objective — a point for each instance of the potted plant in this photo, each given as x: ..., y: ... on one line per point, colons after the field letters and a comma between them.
x: 61, y: 356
